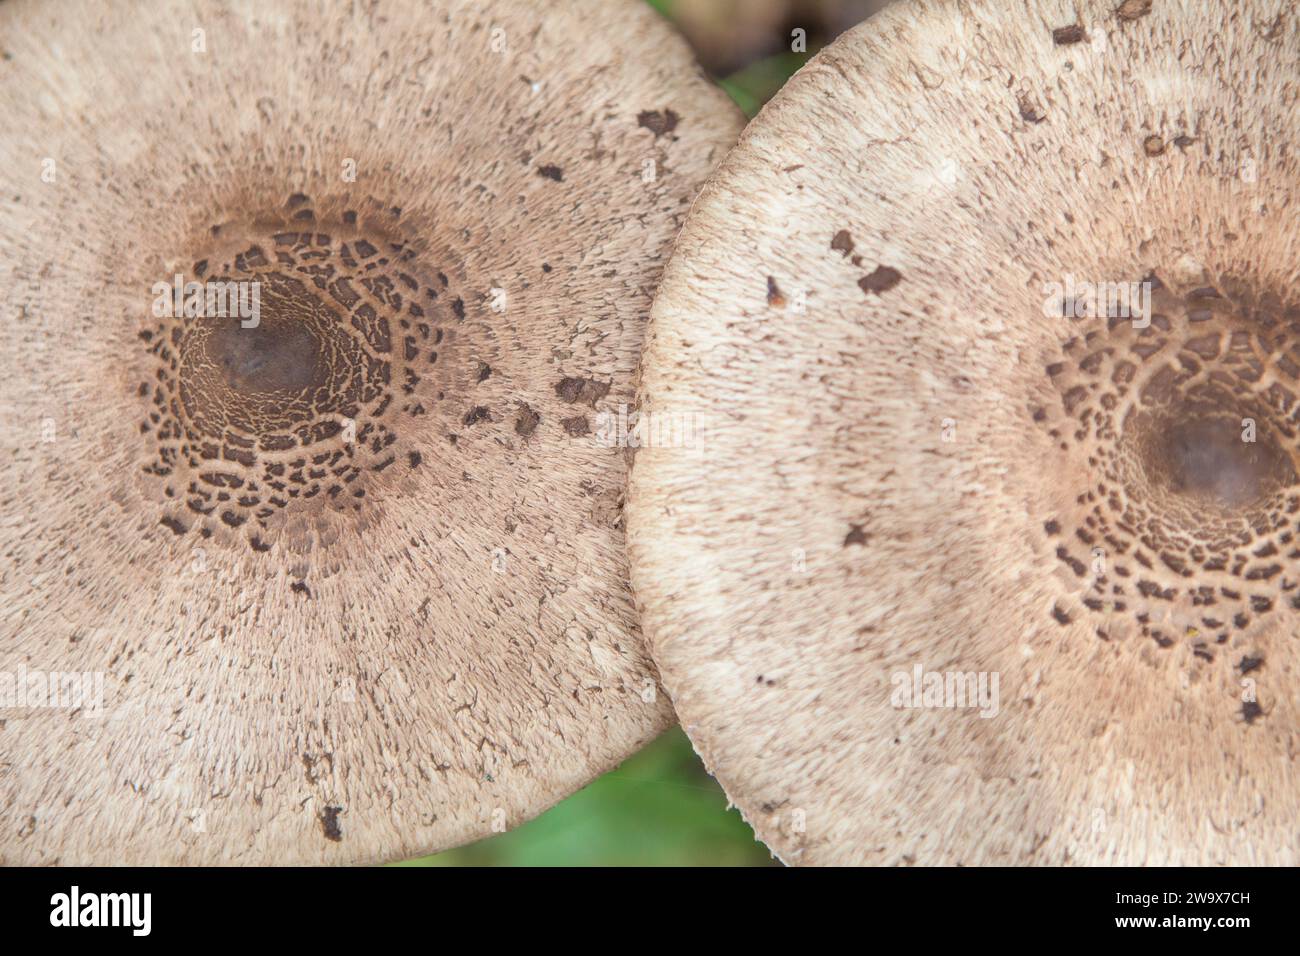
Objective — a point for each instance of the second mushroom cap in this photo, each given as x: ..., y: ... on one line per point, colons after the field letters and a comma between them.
x: 988, y: 550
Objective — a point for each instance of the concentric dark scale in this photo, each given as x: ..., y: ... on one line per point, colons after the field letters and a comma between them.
x: 302, y: 412
x: 1190, y: 425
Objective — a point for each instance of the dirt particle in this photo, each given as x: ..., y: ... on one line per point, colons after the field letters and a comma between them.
x: 585, y: 390
x: 658, y: 122
x: 1029, y: 109
x: 551, y: 172
x: 856, y: 536
x: 300, y: 587
x: 526, y: 421
x: 842, y: 242
x: 1153, y: 146
x: 478, y: 413
x: 881, y: 280
x: 576, y: 426
x: 1061, y: 617
x: 173, y: 525
x: 774, y: 297
x: 1131, y: 10
x: 329, y: 823
x: 1251, y: 711
x: 1249, y: 664
x: 1065, y: 36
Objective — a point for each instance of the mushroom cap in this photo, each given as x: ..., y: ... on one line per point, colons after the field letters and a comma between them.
x: 348, y: 580
x: 904, y: 455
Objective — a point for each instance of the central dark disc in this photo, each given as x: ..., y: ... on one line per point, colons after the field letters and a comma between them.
x: 304, y: 340
x: 1210, y: 450
x: 1212, y: 458
x: 283, y: 368
x: 274, y: 356
x: 282, y: 349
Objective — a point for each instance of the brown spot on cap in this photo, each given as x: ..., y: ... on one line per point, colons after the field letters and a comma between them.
x: 881, y: 280
x: 774, y: 296
x: 329, y: 823
x: 658, y: 122
x: 1029, y: 109
x: 1064, y: 36
x: 477, y: 414
x: 585, y: 390
x: 1133, y: 9
x: 526, y: 421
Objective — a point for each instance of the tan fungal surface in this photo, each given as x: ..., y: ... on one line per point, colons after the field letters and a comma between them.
x: 920, y: 449
x: 351, y: 578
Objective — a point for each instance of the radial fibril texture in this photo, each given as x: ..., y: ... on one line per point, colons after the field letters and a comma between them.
x: 351, y: 569
x: 918, y: 458
x: 298, y: 410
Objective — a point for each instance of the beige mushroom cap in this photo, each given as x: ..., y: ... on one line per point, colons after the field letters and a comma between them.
x: 904, y: 456
x: 349, y: 583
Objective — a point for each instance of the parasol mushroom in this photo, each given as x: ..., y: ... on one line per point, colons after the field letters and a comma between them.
x: 306, y: 556
x: 991, y: 553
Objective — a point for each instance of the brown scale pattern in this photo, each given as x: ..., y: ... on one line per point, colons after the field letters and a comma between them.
x: 297, y: 416
x: 1186, y: 532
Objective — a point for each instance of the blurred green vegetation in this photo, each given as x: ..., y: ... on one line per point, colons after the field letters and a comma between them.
x: 756, y: 83
x: 659, y: 808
